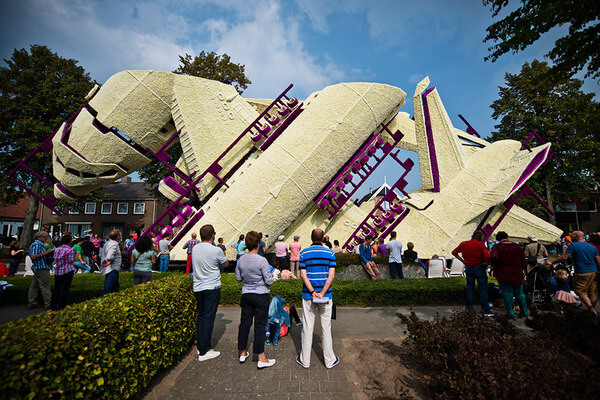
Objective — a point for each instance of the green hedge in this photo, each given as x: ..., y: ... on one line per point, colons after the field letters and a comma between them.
x: 385, y: 292
x: 83, y: 287
x: 105, y: 348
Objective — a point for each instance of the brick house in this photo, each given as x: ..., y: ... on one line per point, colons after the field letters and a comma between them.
x: 584, y: 216
x: 127, y: 206
x: 13, y: 216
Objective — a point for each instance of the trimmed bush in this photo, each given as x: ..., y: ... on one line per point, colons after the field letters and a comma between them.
x: 469, y: 356
x: 105, y: 348
x: 385, y: 292
x: 83, y: 287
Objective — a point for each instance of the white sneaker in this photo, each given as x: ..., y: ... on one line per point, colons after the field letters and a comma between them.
x: 244, y: 358
x: 209, y: 355
x: 267, y: 364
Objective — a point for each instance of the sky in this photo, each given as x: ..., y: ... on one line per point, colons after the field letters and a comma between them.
x: 309, y: 43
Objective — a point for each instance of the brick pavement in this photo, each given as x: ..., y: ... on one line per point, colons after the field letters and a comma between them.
x: 225, y: 378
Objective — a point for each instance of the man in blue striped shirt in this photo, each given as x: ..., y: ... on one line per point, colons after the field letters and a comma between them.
x: 317, y: 270
x: 41, y: 271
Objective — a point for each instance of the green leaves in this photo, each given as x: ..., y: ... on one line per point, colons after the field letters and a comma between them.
x: 563, y: 115
x: 525, y: 25
x: 118, y: 360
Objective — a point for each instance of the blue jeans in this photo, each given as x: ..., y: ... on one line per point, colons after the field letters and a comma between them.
x: 111, y: 282
x: 480, y: 274
x: 81, y: 266
x: 164, y: 262
x: 508, y: 292
x: 396, y: 270
x: 207, y: 302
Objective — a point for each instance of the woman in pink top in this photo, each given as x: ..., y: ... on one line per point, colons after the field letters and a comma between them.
x: 281, y: 253
x: 295, y: 248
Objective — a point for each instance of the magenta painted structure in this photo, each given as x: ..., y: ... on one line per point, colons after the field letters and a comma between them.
x: 267, y: 127
x: 45, y: 147
x: 523, y: 190
x: 381, y: 226
x: 342, y: 187
x: 470, y: 129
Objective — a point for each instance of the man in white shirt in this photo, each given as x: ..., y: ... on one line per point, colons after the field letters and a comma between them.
x: 110, y: 256
x: 207, y: 261
x: 164, y: 246
x: 395, y: 262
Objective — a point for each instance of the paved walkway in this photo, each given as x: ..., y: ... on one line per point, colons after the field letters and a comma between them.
x: 225, y: 378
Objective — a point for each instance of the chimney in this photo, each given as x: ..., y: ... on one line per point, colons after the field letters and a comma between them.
x: 126, y: 179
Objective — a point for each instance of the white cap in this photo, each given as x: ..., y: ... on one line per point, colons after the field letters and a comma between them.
x: 281, y: 238
x: 532, y: 238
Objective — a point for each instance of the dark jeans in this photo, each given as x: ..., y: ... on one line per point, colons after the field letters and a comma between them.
x: 207, y: 302
x: 479, y: 274
x: 254, y: 306
x: 282, y: 263
x: 111, y: 282
x: 62, y: 284
x: 396, y: 270
x: 294, y: 317
x: 13, y: 266
x: 141, y: 276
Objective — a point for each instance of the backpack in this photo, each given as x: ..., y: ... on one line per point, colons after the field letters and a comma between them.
x: 532, y: 260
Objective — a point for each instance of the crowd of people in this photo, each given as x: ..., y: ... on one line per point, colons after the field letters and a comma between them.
x: 316, y: 266
x: 512, y: 262
x: 509, y: 262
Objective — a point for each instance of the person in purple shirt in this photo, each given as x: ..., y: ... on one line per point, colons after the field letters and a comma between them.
x: 64, y: 256
x: 254, y: 273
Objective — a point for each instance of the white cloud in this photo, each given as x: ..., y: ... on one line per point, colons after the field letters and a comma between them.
x: 274, y: 54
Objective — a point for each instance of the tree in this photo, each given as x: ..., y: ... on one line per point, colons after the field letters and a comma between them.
x: 38, y: 91
x: 527, y: 23
x: 209, y: 66
x: 562, y: 114
x: 215, y: 67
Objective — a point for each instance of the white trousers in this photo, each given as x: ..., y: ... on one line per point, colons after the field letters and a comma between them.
x: 309, y: 310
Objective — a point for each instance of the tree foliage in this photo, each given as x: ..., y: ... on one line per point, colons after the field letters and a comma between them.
x: 38, y: 91
x: 215, y: 67
x: 526, y: 24
x: 209, y: 66
x: 562, y: 114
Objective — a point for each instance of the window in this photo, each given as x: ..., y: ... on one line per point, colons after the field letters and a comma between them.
x: 592, y: 206
x: 122, y: 208
x: 139, y: 208
x: 106, y: 208
x: 74, y: 209
x: 90, y: 208
x: 78, y: 228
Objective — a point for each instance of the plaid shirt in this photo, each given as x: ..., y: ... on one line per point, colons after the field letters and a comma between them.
x: 63, y: 259
x: 37, y: 247
x: 189, y: 245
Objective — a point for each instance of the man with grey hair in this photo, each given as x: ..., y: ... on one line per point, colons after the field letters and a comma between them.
x: 586, y: 261
x: 41, y: 271
x: 535, y: 253
x: 110, y: 256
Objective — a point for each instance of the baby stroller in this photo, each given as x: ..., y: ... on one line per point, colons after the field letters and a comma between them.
x: 537, y: 289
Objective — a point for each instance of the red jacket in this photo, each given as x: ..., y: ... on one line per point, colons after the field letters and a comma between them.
x: 473, y: 252
x: 508, y: 260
